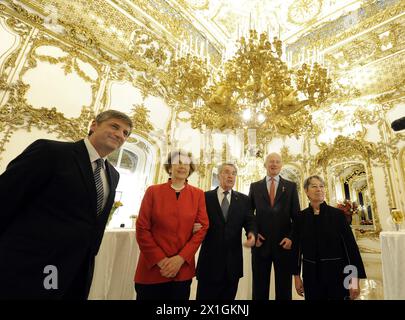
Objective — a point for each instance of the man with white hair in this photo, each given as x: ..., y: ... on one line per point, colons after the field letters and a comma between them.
x: 276, y: 203
x: 220, y: 263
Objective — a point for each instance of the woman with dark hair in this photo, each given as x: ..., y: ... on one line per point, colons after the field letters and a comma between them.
x: 326, y: 249
x: 164, y: 231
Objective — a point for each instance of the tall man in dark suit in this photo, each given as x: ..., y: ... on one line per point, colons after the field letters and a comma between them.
x: 220, y: 262
x: 56, y: 198
x: 276, y: 203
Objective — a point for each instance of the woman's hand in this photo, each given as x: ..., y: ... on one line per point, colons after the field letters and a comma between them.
x: 299, y: 286
x: 162, y: 263
x: 172, y: 266
x: 354, y: 288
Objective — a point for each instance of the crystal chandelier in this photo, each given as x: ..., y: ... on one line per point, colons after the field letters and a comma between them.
x: 253, y: 90
x: 257, y: 89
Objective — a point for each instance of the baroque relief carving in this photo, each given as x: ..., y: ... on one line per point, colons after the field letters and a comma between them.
x: 16, y: 114
x: 347, y: 149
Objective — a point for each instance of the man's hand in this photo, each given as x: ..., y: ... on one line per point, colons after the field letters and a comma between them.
x: 259, y: 240
x: 251, y: 240
x: 172, y: 267
x: 196, y: 227
x: 286, y: 243
x: 299, y: 286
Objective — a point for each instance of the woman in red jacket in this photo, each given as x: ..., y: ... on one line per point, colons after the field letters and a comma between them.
x: 164, y: 231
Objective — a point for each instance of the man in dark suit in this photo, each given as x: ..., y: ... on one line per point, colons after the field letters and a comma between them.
x: 276, y: 203
x: 56, y: 198
x: 220, y: 262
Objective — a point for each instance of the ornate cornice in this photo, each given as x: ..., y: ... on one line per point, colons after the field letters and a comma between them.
x: 344, y: 147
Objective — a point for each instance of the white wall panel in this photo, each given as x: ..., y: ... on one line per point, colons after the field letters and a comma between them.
x: 159, y: 112
x: 123, y: 96
x: 19, y: 141
x: 50, y: 87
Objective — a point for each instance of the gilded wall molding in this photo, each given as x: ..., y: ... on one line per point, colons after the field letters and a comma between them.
x: 289, y: 158
x: 22, y: 12
x: 344, y: 147
x: 10, y: 62
x: 74, y: 35
x: 22, y: 31
x: 347, y: 149
x: 140, y: 119
x: 372, y: 46
x: 69, y: 62
x: 69, y: 65
x: 17, y: 114
x: 368, y: 16
x: 18, y: 26
x: 377, y: 225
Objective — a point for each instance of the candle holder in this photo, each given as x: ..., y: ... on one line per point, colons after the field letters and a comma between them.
x: 397, y: 217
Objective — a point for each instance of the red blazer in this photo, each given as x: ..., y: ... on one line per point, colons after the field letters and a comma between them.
x: 164, y: 228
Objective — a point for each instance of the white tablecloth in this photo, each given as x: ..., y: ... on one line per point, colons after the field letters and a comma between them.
x: 393, y: 264
x: 115, y: 266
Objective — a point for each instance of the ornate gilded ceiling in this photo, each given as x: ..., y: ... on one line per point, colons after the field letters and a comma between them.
x: 286, y: 18
x: 360, y: 43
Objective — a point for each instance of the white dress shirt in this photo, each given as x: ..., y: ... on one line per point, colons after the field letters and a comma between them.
x: 220, y: 193
x: 94, y: 156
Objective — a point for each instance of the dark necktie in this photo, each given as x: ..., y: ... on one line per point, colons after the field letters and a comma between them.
x: 99, y: 185
x: 225, y: 205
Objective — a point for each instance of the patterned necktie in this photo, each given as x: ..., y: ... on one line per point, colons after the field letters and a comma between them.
x: 99, y: 185
x: 225, y: 205
x: 272, y: 191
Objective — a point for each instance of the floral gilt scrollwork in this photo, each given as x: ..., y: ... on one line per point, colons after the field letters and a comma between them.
x: 69, y: 61
x: 24, y: 13
x: 140, y: 118
x: 347, y: 147
x: 18, y: 26
x: 187, y: 79
x: 18, y: 114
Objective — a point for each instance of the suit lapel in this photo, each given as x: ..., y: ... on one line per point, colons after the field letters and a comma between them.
x: 112, y: 184
x: 265, y: 192
x: 83, y: 161
x: 234, y: 204
x: 280, y: 190
x: 215, y: 202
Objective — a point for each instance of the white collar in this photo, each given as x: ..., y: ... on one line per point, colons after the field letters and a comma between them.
x: 93, y: 154
x: 221, y: 191
x: 276, y: 178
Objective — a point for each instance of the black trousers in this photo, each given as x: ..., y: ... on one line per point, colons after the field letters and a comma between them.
x: 324, y: 281
x: 261, y: 271
x: 173, y: 290
x: 222, y: 290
